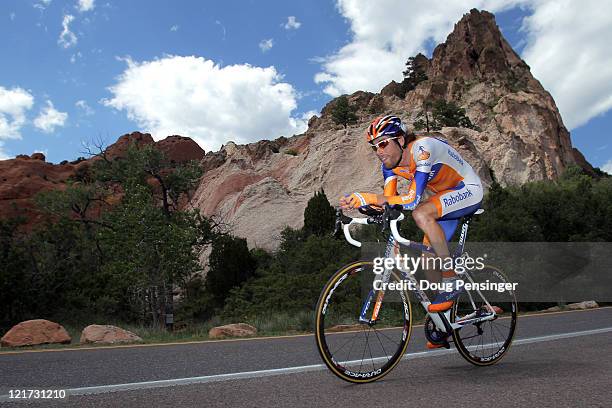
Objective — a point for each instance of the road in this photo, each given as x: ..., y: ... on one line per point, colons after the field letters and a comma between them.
x: 558, y: 360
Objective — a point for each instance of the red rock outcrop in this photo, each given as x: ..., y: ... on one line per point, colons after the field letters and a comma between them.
x: 25, y: 176
x: 33, y: 332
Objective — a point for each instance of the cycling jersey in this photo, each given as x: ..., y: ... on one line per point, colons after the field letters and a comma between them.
x: 438, y: 167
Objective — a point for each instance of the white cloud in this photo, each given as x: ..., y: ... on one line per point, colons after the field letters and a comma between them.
x: 217, y: 22
x: 49, y: 118
x: 42, y: 4
x: 607, y: 167
x: 67, y: 38
x: 570, y: 57
x: 266, y: 45
x: 194, y: 97
x: 86, y: 5
x: 292, y: 23
x: 87, y: 110
x: 14, y: 103
x: 174, y: 28
x: 74, y: 57
x: 568, y: 50
x: 12, y: 16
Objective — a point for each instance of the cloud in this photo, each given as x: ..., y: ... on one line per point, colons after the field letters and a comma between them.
x: 607, y: 167
x: 174, y: 28
x: 217, y: 22
x: 74, y: 57
x: 195, y: 97
x: 42, y: 5
x: 12, y: 16
x: 67, y: 38
x: 14, y: 103
x: 86, y: 5
x: 49, y: 118
x: 266, y: 45
x: 292, y: 23
x: 87, y: 110
x: 568, y: 50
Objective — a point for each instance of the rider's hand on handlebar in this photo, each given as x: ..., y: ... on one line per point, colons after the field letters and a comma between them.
x: 357, y: 200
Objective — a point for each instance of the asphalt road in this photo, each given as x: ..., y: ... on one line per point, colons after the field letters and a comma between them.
x: 544, y: 368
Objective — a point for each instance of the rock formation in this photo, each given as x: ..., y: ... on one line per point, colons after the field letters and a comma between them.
x: 25, y: 176
x: 262, y: 187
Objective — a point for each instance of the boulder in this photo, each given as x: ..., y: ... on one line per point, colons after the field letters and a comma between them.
x: 232, y: 330
x: 587, y: 304
x: 553, y: 309
x: 33, y: 332
x: 107, y: 334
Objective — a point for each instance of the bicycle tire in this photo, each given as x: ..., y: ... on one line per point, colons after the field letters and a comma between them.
x: 326, y: 332
x: 503, y: 326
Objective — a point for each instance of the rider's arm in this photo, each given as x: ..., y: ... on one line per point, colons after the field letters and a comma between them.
x: 422, y: 158
x: 390, y: 188
x: 410, y: 200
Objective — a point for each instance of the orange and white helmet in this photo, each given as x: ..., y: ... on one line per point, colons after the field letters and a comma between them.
x: 385, y: 126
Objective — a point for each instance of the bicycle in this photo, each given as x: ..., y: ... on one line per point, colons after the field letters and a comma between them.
x: 347, y: 316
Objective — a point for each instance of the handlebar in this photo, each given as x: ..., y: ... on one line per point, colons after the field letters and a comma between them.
x: 388, y: 218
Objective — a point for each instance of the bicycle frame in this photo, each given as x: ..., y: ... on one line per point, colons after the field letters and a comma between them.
x: 441, y: 320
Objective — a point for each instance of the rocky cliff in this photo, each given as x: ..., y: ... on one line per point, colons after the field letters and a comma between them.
x: 262, y: 187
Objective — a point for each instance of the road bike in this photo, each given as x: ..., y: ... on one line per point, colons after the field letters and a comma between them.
x: 364, y: 317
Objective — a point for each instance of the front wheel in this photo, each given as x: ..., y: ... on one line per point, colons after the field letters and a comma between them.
x: 485, y: 343
x: 354, y: 350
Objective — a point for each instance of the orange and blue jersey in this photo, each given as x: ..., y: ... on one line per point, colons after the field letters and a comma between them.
x: 438, y: 167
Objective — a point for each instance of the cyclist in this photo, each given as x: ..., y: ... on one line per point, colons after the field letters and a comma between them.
x: 427, y: 162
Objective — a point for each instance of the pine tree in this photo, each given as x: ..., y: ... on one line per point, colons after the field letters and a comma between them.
x: 343, y: 113
x: 319, y: 215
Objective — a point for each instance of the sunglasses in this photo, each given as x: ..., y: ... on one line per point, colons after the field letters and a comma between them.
x: 382, y: 143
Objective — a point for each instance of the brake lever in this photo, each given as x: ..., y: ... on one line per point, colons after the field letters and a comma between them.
x: 390, y: 212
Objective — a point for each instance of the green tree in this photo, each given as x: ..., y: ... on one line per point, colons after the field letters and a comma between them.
x: 414, y: 74
x: 145, y: 246
x: 439, y: 114
x: 343, y: 113
x: 230, y: 264
x: 319, y: 215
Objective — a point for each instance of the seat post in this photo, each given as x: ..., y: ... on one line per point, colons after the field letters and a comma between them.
x: 463, y: 236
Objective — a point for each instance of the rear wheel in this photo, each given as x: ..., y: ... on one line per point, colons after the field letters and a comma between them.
x: 354, y: 351
x: 485, y: 343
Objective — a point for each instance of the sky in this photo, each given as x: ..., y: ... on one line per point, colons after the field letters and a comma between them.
x: 79, y: 72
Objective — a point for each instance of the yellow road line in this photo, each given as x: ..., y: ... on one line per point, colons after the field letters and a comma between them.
x: 178, y: 343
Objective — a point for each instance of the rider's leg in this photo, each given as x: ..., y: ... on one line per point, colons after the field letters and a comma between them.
x: 426, y: 216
